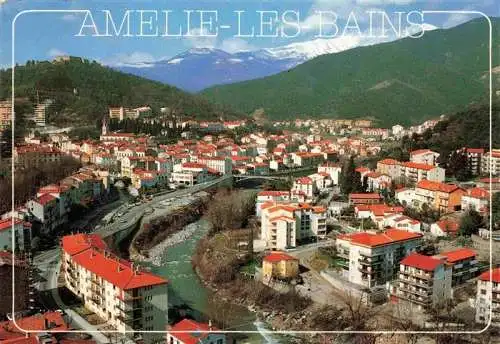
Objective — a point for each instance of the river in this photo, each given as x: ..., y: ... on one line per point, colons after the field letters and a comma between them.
x: 187, y: 293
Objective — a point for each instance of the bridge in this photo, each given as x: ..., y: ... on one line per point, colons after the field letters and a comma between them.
x: 242, y: 177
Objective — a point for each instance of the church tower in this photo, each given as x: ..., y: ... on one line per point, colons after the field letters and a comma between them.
x: 104, y: 128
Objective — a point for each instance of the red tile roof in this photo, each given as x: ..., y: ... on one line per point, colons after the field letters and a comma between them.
x: 390, y: 236
x: 365, y: 196
x: 448, y: 226
x: 491, y: 275
x: 275, y: 257
x: 421, y: 262
x: 478, y: 193
x: 475, y: 150
x: 89, y: 253
x: 273, y: 193
x: 304, y: 180
x: 437, y: 186
x: 458, y: 255
x: 7, y: 223
x: 418, y: 166
x: 45, y: 198
x: 388, y: 162
x: 33, y: 323
x: 196, y: 331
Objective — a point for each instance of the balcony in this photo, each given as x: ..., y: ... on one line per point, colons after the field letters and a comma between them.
x: 423, y: 293
x: 370, y: 261
x: 417, y: 275
x: 415, y: 282
x: 414, y: 299
x: 128, y: 297
x: 343, y: 254
x: 367, y: 271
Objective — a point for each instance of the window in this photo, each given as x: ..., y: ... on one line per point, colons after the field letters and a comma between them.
x: 219, y: 341
x: 483, y: 292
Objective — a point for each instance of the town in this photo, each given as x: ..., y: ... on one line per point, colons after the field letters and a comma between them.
x: 331, y: 220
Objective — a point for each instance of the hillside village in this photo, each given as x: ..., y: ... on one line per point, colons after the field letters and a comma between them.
x: 385, y: 230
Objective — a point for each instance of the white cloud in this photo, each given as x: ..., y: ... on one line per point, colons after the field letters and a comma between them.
x: 457, y: 18
x: 69, y: 17
x: 135, y: 58
x: 200, y: 38
x: 235, y: 44
x: 53, y: 52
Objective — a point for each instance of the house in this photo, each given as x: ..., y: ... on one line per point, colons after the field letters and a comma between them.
x: 364, y: 198
x: 188, y: 331
x: 475, y: 199
x: 306, y: 186
x: 332, y: 169
x: 374, y: 181
x: 439, y: 196
x: 125, y: 296
x: 280, y: 265
x: 423, y: 281
x: 424, y: 156
x: 488, y: 297
x: 402, y: 222
x: 45, y: 211
x: 369, y: 258
x: 39, y: 325
x: 445, y: 228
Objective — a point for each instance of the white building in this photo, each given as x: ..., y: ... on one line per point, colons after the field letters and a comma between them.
x: 424, y: 156
x: 332, y: 169
x: 369, y: 259
x: 305, y: 186
x: 270, y: 196
x: 490, y: 162
x: 475, y: 199
x: 126, y: 297
x: 488, y: 297
x: 285, y: 225
x: 423, y: 281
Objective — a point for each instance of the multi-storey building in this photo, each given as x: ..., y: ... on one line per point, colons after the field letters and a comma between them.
x: 463, y: 262
x: 410, y: 172
x: 305, y: 186
x: 188, y: 331
x: 439, y: 196
x: 32, y: 156
x: 371, y: 259
x: 128, y: 298
x: 488, y: 297
x: 490, y: 162
x: 364, y: 198
x: 192, y: 173
x: 45, y: 210
x: 423, y: 281
x: 286, y: 225
x: 307, y: 158
x: 222, y: 165
x: 474, y: 155
x: 424, y: 156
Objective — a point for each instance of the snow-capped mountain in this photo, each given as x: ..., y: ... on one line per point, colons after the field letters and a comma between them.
x: 199, y: 68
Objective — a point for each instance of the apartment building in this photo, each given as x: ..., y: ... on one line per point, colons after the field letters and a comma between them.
x: 423, y: 281
x: 474, y: 155
x: 488, y: 297
x: 439, y: 196
x: 307, y: 158
x: 371, y: 258
x: 128, y: 298
x: 192, y: 173
x: 188, y: 331
x: 424, y: 156
x: 410, y: 172
x: 490, y: 162
x: 33, y: 156
x: 222, y: 165
x: 286, y: 225
x: 45, y: 210
x: 464, y: 264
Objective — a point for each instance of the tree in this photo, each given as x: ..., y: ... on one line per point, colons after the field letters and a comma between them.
x: 459, y: 166
x: 350, y: 180
x: 470, y: 223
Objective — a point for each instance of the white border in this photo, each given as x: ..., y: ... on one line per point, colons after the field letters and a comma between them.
x: 263, y: 331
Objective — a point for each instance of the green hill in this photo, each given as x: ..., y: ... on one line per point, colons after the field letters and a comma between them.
x: 82, y: 90
x: 404, y: 81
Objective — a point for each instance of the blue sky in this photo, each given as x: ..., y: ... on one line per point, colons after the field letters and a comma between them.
x: 41, y: 36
